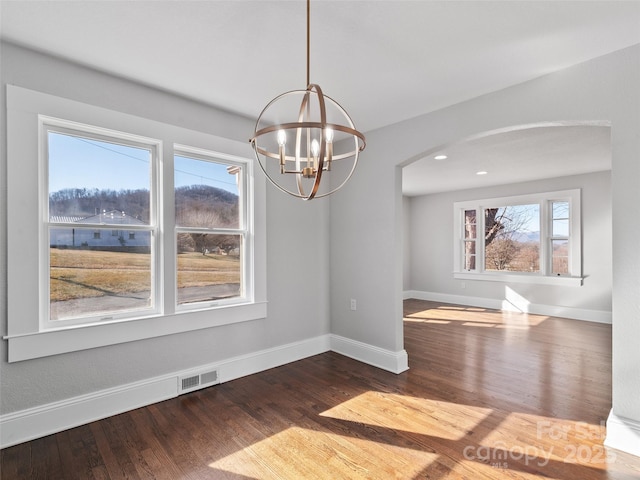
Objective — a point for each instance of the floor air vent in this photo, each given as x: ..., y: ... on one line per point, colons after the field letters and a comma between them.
x: 199, y: 380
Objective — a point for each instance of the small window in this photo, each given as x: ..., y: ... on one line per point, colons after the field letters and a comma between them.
x: 210, y: 228
x: 469, y: 239
x: 560, y: 248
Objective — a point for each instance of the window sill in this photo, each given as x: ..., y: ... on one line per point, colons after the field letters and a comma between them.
x: 53, y: 342
x: 520, y: 278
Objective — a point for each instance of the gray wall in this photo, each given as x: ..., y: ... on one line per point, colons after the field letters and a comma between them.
x: 366, y: 218
x: 298, y: 297
x: 431, y: 249
x: 407, y: 221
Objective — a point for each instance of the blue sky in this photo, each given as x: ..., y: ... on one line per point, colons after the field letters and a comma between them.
x: 76, y: 162
x: 189, y: 171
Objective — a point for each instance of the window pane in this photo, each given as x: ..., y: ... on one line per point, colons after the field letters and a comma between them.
x: 560, y: 257
x: 209, y: 267
x: 560, y: 220
x: 95, y: 181
x: 207, y: 193
x: 470, y: 225
x: 560, y: 228
x: 470, y: 255
x: 98, y: 271
x: 512, y: 238
x: 92, y: 273
x: 560, y: 210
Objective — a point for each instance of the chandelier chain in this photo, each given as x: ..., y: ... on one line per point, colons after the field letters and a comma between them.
x: 308, y: 39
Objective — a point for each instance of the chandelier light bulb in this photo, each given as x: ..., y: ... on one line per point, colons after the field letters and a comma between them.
x: 328, y: 135
x: 315, y: 148
x: 282, y: 138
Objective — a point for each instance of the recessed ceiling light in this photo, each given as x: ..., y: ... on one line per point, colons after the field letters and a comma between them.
x: 481, y: 172
x: 440, y: 157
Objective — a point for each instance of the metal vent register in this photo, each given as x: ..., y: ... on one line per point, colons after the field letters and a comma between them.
x: 197, y: 381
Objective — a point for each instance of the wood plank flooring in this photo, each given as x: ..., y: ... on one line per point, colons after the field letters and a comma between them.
x: 489, y: 395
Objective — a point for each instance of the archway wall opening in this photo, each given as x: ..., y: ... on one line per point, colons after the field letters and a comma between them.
x: 525, y: 163
x: 366, y: 218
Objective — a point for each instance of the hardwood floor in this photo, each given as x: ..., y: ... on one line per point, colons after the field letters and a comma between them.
x: 489, y: 395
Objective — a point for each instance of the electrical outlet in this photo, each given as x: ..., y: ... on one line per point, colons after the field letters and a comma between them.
x: 462, y: 285
x: 353, y: 304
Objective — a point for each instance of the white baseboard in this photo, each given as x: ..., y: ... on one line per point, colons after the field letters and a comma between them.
x: 55, y: 417
x: 251, y: 363
x: 395, y: 362
x: 512, y: 305
x: 623, y: 434
x: 37, y: 422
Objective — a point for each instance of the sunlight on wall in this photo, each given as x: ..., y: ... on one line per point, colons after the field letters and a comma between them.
x: 514, y: 302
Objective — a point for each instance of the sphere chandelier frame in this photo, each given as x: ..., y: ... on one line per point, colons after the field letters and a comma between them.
x: 313, y: 153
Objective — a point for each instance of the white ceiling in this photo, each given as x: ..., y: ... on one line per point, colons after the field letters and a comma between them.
x: 384, y: 61
x: 512, y: 157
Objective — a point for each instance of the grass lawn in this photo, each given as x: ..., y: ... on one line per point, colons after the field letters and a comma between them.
x: 197, y: 270
x: 89, y: 273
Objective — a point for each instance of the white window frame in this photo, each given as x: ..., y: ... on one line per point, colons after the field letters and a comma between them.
x: 244, y: 230
x: 545, y: 276
x: 26, y: 336
x: 49, y: 124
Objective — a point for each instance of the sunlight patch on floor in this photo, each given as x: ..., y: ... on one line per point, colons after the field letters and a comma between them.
x: 350, y: 435
x: 308, y: 453
x: 423, y: 416
x: 540, y: 441
x: 477, y: 317
x: 427, y: 320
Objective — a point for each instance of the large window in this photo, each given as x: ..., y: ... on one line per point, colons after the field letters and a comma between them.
x: 121, y: 228
x: 100, y: 193
x: 512, y: 238
x: 103, y: 188
x: 528, y: 238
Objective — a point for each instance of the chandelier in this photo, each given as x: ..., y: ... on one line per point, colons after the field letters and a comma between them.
x: 318, y: 142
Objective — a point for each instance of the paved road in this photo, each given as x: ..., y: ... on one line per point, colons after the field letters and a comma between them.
x: 110, y: 303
